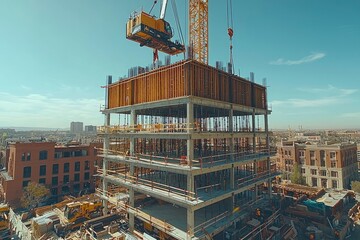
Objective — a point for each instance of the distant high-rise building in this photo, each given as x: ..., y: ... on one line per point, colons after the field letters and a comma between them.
x: 322, y: 165
x: 76, y: 127
x: 90, y: 129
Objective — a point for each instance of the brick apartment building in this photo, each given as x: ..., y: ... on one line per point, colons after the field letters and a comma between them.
x: 327, y: 165
x: 63, y: 169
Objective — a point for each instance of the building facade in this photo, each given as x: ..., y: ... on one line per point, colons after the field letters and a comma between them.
x: 63, y: 169
x: 76, y: 127
x: 322, y: 165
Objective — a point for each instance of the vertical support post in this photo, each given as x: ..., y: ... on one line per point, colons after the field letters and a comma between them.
x: 253, y: 130
x: 190, y: 124
x: 132, y: 170
x: 266, y: 122
x: 105, y: 161
x: 231, y: 130
x: 232, y: 177
x: 190, y: 222
x: 133, y: 122
x: 131, y: 201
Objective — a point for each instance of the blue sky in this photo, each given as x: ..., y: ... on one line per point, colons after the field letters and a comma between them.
x: 55, y: 55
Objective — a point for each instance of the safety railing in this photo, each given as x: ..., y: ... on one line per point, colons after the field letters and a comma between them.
x: 210, y: 222
x: 151, y: 128
x: 170, y: 190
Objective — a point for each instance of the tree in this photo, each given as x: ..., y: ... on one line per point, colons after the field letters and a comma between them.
x: 355, y: 185
x: 296, y: 176
x: 33, y: 195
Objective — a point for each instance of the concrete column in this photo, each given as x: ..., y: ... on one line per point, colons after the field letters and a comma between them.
x: 231, y: 130
x: 232, y: 177
x: 133, y: 122
x: 266, y: 122
x: 132, y: 170
x: 105, y: 161
x: 253, y: 130
x: 190, y: 222
x: 190, y: 183
x: 131, y: 201
x: 190, y: 125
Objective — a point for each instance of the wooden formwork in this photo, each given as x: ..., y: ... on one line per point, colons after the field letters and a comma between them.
x: 186, y: 78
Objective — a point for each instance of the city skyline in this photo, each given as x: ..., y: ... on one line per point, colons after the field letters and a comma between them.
x: 55, y: 57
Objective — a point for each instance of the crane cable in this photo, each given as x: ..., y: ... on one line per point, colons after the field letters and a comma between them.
x: 153, y: 6
x: 178, y: 25
x: 230, y: 30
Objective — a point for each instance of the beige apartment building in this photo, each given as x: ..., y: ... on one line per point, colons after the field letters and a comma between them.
x: 322, y: 165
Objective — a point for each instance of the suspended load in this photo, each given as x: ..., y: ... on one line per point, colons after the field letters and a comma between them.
x: 153, y: 33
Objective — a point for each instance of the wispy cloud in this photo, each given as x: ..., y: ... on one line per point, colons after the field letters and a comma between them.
x: 329, y: 89
x: 351, y: 115
x: 333, y: 96
x: 310, y: 58
x: 38, y: 110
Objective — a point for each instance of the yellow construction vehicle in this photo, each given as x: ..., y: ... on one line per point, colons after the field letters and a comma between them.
x: 152, y: 32
x: 4, y: 219
x: 77, y: 212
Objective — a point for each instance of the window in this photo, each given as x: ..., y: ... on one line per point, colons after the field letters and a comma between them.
x: 314, y: 182
x: 324, y: 183
x: 301, y: 153
x: 302, y: 170
x: 55, y: 168
x: 25, y: 183
x: 332, y: 155
x: 28, y: 156
x: 312, y: 154
x: 54, y: 181
x: 334, y: 174
x: 322, y: 155
x: 66, y: 179
x: 323, y: 173
x: 77, y: 177
x: 77, y: 166
x: 333, y: 164
x: 42, y: 181
x: 23, y: 157
x: 66, y: 167
x: 313, y: 171
x: 87, y: 176
x: 322, y: 163
x: 312, y: 162
x: 43, y: 170
x: 87, y: 165
x: 27, y: 172
x: 43, y: 155
x: 334, y: 183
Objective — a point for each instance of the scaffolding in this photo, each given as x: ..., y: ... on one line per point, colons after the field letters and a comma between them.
x: 193, y: 139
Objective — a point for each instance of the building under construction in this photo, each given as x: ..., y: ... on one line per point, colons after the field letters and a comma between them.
x: 190, y: 144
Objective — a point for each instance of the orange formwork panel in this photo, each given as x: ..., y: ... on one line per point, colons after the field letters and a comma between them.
x: 186, y: 78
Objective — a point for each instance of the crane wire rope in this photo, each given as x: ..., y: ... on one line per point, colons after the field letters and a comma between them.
x: 177, y: 21
x: 152, y: 6
x: 230, y: 30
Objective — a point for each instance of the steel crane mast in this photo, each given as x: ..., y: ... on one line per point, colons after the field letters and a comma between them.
x: 198, y: 30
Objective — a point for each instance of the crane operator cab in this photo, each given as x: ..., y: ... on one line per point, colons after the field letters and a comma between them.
x: 152, y: 32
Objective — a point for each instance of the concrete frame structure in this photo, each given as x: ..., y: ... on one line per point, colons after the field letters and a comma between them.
x: 239, y: 160
x: 322, y: 165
